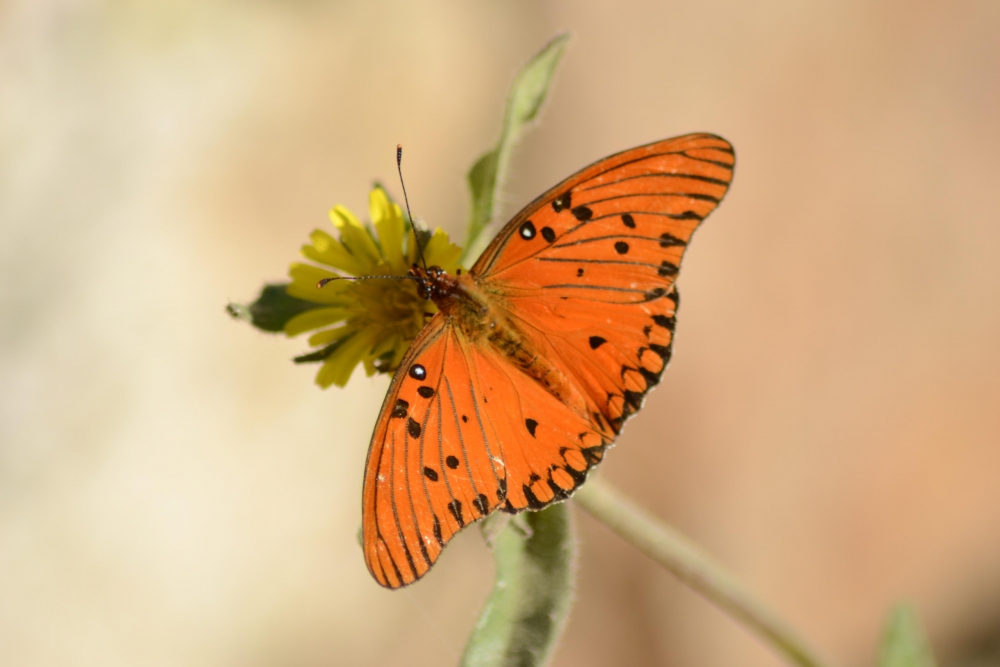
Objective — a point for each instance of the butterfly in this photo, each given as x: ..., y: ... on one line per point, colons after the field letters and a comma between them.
x: 516, y: 387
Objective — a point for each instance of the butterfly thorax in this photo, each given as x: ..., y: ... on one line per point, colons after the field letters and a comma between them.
x: 482, y: 317
x: 434, y: 284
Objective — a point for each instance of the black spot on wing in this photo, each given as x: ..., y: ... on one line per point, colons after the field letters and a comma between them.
x: 423, y: 551
x: 455, y: 507
x: 430, y: 473
x: 548, y: 234
x: 399, y: 410
x: 664, y: 351
x: 527, y: 230
x: 633, y: 398
x: 531, y: 425
x: 593, y: 455
x: 628, y: 220
x: 533, y: 502
x: 616, y: 423
x: 413, y: 428
x: 579, y: 476
x: 652, y: 378
x: 425, y: 391
x: 666, y: 322
x: 582, y: 213
x: 562, y: 202
x: 418, y: 372
x: 452, y: 462
x: 667, y: 240
x: 655, y: 293
x: 557, y: 491
x: 667, y: 269
x: 596, y: 342
x: 481, y: 503
x: 621, y: 247
x: 688, y: 215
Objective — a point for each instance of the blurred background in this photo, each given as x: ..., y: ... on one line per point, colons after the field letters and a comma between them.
x: 173, y: 491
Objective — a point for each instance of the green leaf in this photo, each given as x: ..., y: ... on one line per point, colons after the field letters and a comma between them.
x: 903, y: 640
x: 272, y: 309
x: 527, y: 609
x: 527, y: 95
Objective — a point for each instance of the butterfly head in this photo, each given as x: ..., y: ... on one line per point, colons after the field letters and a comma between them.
x: 434, y: 284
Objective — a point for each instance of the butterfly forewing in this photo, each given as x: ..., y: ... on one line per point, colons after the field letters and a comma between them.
x: 625, y: 221
x: 433, y: 466
x: 589, y: 268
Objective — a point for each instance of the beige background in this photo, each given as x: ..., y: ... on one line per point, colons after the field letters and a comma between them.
x: 174, y: 492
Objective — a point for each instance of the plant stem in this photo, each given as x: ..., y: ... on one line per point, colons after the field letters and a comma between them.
x: 692, y: 566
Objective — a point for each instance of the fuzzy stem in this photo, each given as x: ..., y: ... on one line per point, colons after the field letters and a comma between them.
x: 692, y: 566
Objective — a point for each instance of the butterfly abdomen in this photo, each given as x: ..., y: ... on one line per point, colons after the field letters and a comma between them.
x: 478, y: 315
x: 507, y: 340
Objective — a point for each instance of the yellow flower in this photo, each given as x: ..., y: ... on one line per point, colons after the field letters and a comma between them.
x: 365, y: 321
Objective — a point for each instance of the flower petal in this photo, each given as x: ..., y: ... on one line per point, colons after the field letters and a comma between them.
x: 441, y: 252
x: 314, y: 319
x: 327, y: 250
x: 339, y: 366
x: 356, y: 238
x: 384, y: 345
x: 411, y: 247
x: 372, y: 322
x: 327, y: 336
x: 387, y: 219
x: 401, y: 349
x: 304, y: 278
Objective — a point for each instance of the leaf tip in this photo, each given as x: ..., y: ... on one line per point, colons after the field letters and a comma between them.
x: 238, y: 311
x: 904, y: 643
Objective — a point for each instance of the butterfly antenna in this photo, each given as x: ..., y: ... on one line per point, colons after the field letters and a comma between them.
x: 399, y: 168
x: 324, y: 281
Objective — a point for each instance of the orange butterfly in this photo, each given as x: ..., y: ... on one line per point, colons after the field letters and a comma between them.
x: 513, y: 391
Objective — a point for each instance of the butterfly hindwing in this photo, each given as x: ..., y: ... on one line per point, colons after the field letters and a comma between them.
x: 433, y: 466
x: 615, y: 351
x: 547, y: 447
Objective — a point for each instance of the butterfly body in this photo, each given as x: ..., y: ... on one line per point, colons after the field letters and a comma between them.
x: 538, y: 355
x: 481, y: 318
